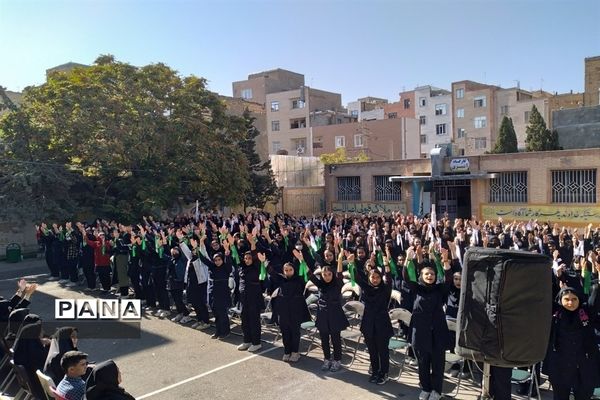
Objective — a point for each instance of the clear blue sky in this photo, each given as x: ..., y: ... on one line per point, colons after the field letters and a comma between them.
x: 353, y: 47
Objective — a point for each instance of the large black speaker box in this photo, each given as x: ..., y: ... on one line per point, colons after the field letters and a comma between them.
x: 505, y: 309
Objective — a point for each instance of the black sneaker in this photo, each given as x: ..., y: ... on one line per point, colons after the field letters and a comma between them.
x: 382, y: 379
x: 214, y: 336
x: 374, y: 378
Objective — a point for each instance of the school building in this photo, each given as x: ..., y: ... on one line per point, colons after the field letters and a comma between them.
x: 556, y: 186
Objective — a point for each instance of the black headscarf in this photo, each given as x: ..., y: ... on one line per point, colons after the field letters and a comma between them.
x: 61, y: 343
x: 15, y: 320
x: 103, y: 383
x: 4, y: 310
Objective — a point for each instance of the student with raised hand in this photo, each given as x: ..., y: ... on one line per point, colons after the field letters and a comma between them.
x: 376, y: 325
x: 102, y: 248
x: 220, y: 268
x: 430, y: 334
x: 196, y: 279
x: 290, y: 305
x: 573, y: 360
x: 331, y: 319
x: 251, y: 296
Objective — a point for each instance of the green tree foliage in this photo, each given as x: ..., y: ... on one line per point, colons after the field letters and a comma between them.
x: 340, y: 157
x: 507, y: 138
x: 119, y: 140
x: 539, y: 137
x: 263, y: 187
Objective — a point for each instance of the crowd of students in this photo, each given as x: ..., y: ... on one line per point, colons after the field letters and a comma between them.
x: 190, y: 261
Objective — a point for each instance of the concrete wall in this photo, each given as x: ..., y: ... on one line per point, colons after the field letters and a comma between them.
x: 22, y: 234
x: 578, y: 128
x: 300, y: 201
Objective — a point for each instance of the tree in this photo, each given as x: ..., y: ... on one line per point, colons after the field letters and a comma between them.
x: 340, y: 157
x: 124, y: 141
x: 263, y: 187
x: 507, y: 138
x: 539, y: 137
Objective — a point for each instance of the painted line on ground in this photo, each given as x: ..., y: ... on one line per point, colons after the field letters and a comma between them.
x: 193, y: 378
x: 16, y: 279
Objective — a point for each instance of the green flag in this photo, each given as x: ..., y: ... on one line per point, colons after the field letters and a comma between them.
x: 412, y: 273
x: 303, y: 270
x: 352, y: 270
x: 263, y: 272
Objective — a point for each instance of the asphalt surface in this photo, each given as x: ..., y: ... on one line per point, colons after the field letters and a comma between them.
x: 171, y: 361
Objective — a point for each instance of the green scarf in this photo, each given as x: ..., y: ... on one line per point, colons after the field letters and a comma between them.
x: 303, y: 270
x: 234, y: 254
x: 144, y: 243
x: 318, y: 241
x: 587, y: 280
x: 133, y: 247
x: 393, y: 268
x: 103, y: 249
x: 352, y: 270
x: 439, y: 266
x: 412, y: 273
x: 158, y: 248
x: 263, y: 272
x: 286, y: 241
x: 379, y: 258
x: 170, y: 239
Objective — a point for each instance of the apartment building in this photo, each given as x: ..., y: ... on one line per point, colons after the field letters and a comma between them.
x: 289, y: 118
x: 516, y: 104
x: 259, y: 85
x: 387, y: 139
x: 591, y: 96
x: 367, y: 108
x: 404, y: 108
x: 433, y: 110
x: 473, y: 117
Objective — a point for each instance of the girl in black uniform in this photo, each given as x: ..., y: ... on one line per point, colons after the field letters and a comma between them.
x: 428, y: 324
x: 291, y: 307
x: 573, y: 362
x: 376, y: 325
x: 331, y: 319
x: 251, y: 297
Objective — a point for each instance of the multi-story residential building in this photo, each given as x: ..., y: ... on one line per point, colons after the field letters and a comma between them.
x: 289, y: 116
x: 237, y: 106
x: 388, y: 139
x: 516, y: 104
x: 433, y: 110
x: 592, y: 82
x: 473, y: 117
x: 367, y: 108
x: 404, y: 108
x: 259, y: 85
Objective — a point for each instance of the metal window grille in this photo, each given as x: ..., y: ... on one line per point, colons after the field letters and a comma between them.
x: 348, y: 188
x: 386, y: 190
x: 574, y: 186
x: 509, y: 187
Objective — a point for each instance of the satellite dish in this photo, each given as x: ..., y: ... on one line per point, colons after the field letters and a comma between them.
x: 300, y: 150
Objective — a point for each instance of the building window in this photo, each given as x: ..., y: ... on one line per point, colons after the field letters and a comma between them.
x: 246, y: 94
x: 276, y: 146
x: 526, y: 116
x: 440, y: 129
x: 422, y: 101
x: 480, y: 143
x: 354, y: 113
x: 348, y: 188
x: 392, y: 115
x: 423, y: 139
x: 440, y: 109
x: 479, y: 102
x: 504, y: 110
x: 509, y: 187
x: 299, y: 145
x: 340, y: 141
x: 275, y: 126
x: 460, y: 133
x: 422, y: 120
x: 460, y: 93
x: 358, y: 140
x: 406, y: 104
x: 574, y: 186
x: 386, y: 190
x: 460, y: 113
x: 297, y: 103
x: 298, y: 123
x: 480, y: 122
x: 274, y: 106
x: 461, y: 152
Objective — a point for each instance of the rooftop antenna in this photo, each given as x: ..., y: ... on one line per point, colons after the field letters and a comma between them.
x: 518, y: 83
x: 541, y: 84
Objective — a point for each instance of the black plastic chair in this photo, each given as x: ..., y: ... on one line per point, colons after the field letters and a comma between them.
x: 25, y: 392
